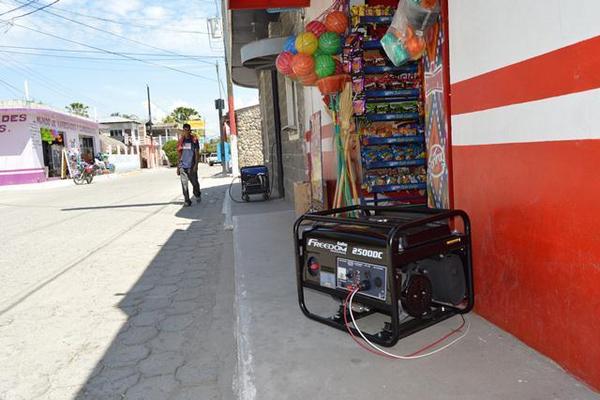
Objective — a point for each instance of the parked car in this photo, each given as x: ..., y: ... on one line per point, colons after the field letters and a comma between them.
x: 213, y: 159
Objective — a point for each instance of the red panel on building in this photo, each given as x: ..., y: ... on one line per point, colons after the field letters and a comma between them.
x: 263, y: 4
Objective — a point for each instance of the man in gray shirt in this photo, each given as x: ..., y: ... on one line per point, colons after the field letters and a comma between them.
x: 189, y: 156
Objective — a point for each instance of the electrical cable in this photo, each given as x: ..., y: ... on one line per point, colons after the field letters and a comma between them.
x: 112, y: 52
x: 11, y: 87
x: 34, y: 11
x: 415, y: 355
x: 47, y: 82
x: 100, y: 52
x: 18, y: 8
x: 114, y: 21
x: 92, y: 58
x: 112, y: 33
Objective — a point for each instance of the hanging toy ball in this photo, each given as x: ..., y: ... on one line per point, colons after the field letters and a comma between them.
x: 303, y: 65
x: 290, y: 45
x: 339, y: 67
x: 307, y: 43
x: 324, y: 66
x: 337, y: 22
x: 309, y: 80
x: 283, y: 63
x: 330, y: 43
x: 316, y: 27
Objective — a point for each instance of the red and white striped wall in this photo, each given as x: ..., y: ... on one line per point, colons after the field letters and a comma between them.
x: 525, y: 105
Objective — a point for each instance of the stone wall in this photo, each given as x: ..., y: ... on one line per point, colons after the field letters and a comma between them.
x: 250, y: 141
x: 293, y: 156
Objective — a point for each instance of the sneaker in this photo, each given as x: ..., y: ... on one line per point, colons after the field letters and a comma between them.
x: 187, y: 203
x: 199, y: 199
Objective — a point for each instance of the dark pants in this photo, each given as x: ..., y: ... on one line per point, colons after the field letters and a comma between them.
x: 188, y: 175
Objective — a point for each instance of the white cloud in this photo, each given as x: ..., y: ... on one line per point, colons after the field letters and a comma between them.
x: 121, y: 7
x: 155, y: 12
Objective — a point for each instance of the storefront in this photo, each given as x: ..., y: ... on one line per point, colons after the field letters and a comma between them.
x: 36, y: 142
x: 506, y: 118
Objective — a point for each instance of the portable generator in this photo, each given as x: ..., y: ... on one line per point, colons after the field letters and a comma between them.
x: 255, y: 180
x: 412, y: 264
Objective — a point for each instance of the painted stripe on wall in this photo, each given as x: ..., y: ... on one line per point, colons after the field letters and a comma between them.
x: 489, y: 34
x: 576, y: 116
x: 535, y: 214
x: 567, y: 70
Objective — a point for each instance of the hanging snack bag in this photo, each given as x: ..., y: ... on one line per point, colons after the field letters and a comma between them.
x: 404, y: 40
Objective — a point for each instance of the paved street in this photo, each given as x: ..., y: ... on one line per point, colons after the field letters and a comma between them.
x: 114, y: 291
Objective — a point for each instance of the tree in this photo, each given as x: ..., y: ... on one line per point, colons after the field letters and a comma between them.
x: 170, y: 149
x: 78, y: 109
x: 182, y: 115
x: 126, y: 116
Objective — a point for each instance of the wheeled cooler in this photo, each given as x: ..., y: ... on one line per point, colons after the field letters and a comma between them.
x: 413, y: 265
x: 255, y: 180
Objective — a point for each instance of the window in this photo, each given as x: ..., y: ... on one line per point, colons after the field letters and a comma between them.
x: 116, y: 133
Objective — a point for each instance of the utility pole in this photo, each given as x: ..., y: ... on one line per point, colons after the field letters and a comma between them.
x: 220, y: 105
x: 226, y: 24
x: 149, y: 126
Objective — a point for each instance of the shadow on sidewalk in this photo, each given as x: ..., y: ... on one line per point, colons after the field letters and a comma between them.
x: 175, y: 341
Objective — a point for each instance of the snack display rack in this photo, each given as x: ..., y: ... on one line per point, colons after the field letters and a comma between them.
x: 388, y: 108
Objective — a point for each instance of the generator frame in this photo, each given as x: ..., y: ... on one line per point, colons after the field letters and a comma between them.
x: 396, y: 257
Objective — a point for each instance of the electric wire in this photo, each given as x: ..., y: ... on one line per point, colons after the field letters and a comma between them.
x: 19, y: 7
x: 124, y: 23
x: 47, y: 82
x: 396, y: 356
x: 66, y: 50
x: 12, y: 88
x: 112, y: 52
x: 113, y: 34
x: 92, y: 58
x: 43, y: 8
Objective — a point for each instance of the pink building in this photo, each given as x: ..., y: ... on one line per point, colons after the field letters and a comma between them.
x: 32, y: 140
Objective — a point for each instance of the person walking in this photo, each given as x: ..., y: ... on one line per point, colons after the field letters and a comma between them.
x: 188, y: 149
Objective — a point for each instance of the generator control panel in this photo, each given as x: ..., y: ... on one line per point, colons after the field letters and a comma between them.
x: 372, y: 276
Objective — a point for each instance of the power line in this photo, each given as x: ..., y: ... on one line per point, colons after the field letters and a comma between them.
x: 11, y: 87
x: 34, y: 11
x: 113, y: 52
x: 129, y: 23
x: 112, y: 33
x: 90, y: 58
x: 18, y: 8
x: 47, y: 82
x: 54, y: 49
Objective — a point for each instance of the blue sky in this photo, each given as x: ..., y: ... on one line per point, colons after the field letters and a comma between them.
x: 105, y: 82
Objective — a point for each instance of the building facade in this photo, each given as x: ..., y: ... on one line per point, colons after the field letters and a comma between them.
x: 35, y: 140
x: 511, y: 114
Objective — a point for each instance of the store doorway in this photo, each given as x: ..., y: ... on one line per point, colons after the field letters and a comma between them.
x: 52, y: 149
x: 86, y: 144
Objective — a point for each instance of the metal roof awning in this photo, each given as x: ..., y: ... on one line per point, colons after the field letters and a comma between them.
x: 266, y: 4
x: 261, y: 54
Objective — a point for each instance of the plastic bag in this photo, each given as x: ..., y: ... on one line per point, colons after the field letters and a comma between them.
x: 405, y: 39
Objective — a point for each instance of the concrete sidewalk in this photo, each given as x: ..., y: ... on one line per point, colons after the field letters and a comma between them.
x: 284, y: 355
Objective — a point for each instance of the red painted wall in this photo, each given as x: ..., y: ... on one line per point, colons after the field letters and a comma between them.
x: 535, y: 209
